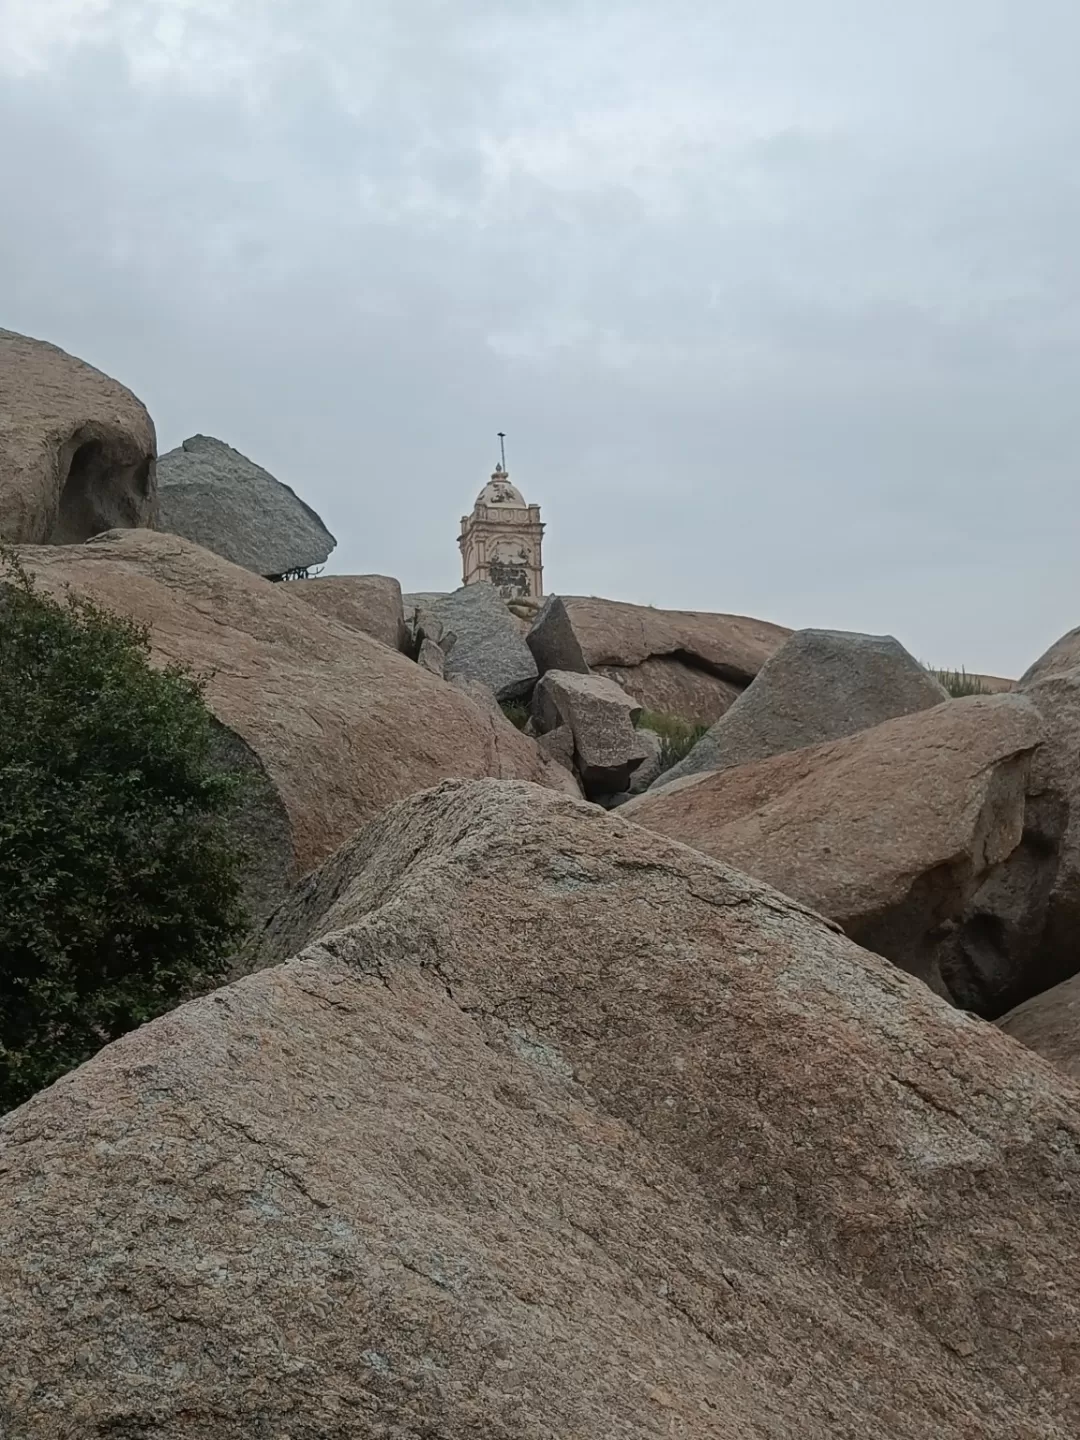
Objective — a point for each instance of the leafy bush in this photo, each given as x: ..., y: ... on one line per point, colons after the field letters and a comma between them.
x: 677, y: 736
x: 959, y: 683
x: 119, y: 875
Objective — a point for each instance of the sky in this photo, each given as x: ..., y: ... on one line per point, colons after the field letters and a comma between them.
x: 778, y: 301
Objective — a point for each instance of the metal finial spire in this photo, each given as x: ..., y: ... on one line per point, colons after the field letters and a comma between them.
x: 502, y: 449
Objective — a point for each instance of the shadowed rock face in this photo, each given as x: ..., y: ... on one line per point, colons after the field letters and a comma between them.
x: 611, y: 632
x: 561, y: 1129
x: 342, y: 725
x: 667, y: 685
x: 212, y: 495
x: 261, y: 824
x: 678, y: 662
x: 599, y: 716
x: 820, y: 685
x: 551, y: 639
x: 1021, y: 934
x: 1049, y: 1024
x: 891, y: 832
x: 76, y: 448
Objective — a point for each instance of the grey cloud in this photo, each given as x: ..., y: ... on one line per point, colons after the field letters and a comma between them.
x: 777, y: 302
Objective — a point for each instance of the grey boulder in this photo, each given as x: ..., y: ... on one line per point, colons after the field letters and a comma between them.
x: 1049, y: 1024
x: 212, y: 495
x: 820, y: 685
x: 558, y: 745
x: 600, y: 717
x: 487, y: 644
x: 432, y: 657
x: 652, y: 749
x: 552, y: 640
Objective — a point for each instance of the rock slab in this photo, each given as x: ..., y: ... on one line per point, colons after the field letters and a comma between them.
x: 554, y: 1128
x: 212, y: 495
x: 487, y: 646
x: 1049, y: 1024
x: 611, y: 632
x: 820, y: 685
x: 341, y: 724
x: 371, y: 603
x: 77, y: 449
x: 600, y: 716
x: 552, y: 640
x: 891, y: 832
x: 1020, y: 934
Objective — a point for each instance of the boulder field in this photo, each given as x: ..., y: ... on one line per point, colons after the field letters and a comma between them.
x: 522, y: 1120
x: 342, y: 725
x: 549, y: 1127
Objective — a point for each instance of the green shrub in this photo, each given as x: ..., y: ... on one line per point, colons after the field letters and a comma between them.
x: 516, y: 711
x: 119, y: 875
x: 959, y: 683
x: 677, y: 736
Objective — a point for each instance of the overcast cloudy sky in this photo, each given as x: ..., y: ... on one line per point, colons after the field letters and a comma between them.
x: 777, y: 300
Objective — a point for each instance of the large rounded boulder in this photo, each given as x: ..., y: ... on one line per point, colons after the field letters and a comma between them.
x: 77, y: 449
x: 552, y: 1128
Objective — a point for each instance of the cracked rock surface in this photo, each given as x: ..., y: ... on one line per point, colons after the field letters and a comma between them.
x: 554, y: 1128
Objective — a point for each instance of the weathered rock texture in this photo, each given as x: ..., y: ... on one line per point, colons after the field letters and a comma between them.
x: 1050, y: 1025
x: 552, y: 641
x: 1063, y: 655
x: 669, y: 686
x: 820, y: 685
x: 649, y: 770
x: 563, y: 1131
x: 342, y: 725
x: 212, y: 495
x: 76, y: 448
x: 614, y: 633
x: 1021, y: 933
x: 432, y: 657
x: 678, y: 662
x: 371, y: 603
x: 890, y: 832
x: 487, y: 646
x: 600, y: 717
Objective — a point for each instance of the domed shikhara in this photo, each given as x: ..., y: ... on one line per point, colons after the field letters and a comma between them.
x: 499, y: 491
x: 501, y: 540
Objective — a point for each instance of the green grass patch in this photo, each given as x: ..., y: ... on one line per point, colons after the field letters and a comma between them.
x: 677, y: 736
x: 516, y: 711
x: 959, y: 683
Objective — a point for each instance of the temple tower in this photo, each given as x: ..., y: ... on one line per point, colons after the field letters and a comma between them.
x: 501, y: 540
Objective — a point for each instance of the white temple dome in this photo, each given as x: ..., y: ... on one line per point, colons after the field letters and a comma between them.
x: 499, y: 491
